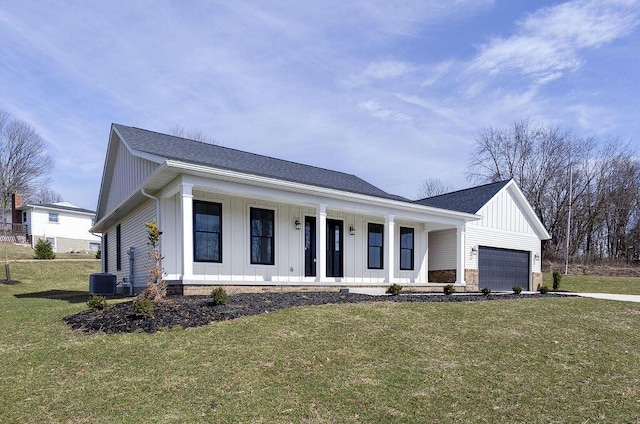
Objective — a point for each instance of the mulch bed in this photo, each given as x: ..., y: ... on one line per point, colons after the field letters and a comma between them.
x: 196, y: 311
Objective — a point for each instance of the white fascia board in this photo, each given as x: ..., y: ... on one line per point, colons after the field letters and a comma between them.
x: 522, y: 201
x: 137, y: 153
x: 316, y: 194
x: 529, y: 212
x: 136, y: 193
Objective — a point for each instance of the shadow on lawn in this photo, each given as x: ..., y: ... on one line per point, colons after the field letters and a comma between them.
x: 71, y: 296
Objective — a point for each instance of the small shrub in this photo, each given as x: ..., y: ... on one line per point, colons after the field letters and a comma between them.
x: 143, y: 308
x: 544, y: 290
x: 517, y: 289
x: 98, y: 254
x: 486, y: 291
x: 449, y: 289
x: 394, y: 289
x: 44, y: 250
x: 557, y: 277
x: 219, y: 296
x: 97, y: 303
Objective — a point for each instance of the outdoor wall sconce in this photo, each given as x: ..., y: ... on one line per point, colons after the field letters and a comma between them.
x: 474, y: 250
x: 352, y: 230
x: 297, y: 224
x: 536, y: 257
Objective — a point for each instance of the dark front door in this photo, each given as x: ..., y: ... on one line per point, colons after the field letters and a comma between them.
x: 334, y: 248
x: 309, y: 246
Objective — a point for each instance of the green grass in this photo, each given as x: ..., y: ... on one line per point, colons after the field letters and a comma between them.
x: 596, y: 284
x: 14, y: 251
x: 534, y: 361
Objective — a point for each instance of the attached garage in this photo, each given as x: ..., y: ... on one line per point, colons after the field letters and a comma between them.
x: 502, y: 269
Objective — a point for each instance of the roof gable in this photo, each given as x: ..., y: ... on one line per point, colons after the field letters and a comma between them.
x: 156, y: 145
x: 469, y: 200
x: 472, y: 200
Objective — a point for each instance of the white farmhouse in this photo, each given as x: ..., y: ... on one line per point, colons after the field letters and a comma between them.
x: 64, y: 224
x: 239, y: 219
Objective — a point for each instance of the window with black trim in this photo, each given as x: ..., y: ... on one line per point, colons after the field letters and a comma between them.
x: 406, y: 248
x: 118, y: 249
x: 262, y: 236
x: 207, y: 232
x: 376, y: 243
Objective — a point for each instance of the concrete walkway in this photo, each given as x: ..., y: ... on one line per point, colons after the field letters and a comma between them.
x: 608, y: 296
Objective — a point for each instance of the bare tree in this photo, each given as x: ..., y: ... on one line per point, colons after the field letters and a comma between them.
x: 191, y: 134
x: 605, y: 179
x: 433, y: 187
x: 24, y: 163
x: 45, y: 195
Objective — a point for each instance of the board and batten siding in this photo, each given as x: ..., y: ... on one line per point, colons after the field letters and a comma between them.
x: 442, y: 250
x: 236, y: 267
x: 133, y: 233
x: 503, y: 225
x: 503, y: 213
x: 128, y: 173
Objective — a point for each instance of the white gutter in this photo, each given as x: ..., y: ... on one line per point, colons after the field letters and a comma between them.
x: 144, y: 193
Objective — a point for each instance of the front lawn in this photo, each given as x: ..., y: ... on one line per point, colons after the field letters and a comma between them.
x: 544, y: 360
x: 596, y: 284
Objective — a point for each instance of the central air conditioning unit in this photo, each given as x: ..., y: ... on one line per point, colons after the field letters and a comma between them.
x: 102, y: 284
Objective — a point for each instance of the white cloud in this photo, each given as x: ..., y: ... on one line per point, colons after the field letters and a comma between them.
x: 380, y: 71
x: 381, y: 112
x: 548, y: 42
x: 269, y: 77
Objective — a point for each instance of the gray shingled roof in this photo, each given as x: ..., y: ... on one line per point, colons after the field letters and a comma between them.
x: 195, y: 152
x: 60, y: 207
x: 469, y: 200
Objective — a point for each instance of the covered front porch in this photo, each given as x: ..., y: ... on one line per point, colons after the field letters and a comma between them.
x: 267, y: 235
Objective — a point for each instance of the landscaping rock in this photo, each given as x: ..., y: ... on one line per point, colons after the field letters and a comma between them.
x: 196, y: 311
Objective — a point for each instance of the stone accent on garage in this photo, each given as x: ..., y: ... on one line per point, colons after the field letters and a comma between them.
x: 472, y: 279
x: 536, y: 278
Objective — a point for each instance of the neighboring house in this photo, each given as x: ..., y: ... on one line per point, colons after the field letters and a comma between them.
x: 234, y: 218
x: 64, y: 224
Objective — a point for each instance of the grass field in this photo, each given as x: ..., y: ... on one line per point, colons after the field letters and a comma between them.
x: 549, y: 360
x: 596, y: 284
x: 14, y: 251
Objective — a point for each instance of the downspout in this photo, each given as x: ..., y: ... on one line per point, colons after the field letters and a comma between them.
x: 158, y: 221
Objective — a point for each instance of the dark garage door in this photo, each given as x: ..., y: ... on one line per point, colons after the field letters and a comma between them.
x: 501, y: 269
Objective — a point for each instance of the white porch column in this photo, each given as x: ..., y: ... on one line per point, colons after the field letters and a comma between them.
x: 423, y: 272
x: 460, y: 256
x: 321, y: 237
x: 186, y: 208
x: 390, y: 254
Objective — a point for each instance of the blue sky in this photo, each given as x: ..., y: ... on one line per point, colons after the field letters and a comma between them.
x: 392, y: 91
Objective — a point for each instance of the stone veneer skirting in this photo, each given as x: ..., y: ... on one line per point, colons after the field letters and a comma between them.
x: 442, y: 276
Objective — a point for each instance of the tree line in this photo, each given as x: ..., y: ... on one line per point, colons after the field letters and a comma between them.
x: 25, y: 166
x: 594, y: 182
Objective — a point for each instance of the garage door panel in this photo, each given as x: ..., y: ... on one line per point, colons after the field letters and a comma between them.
x: 501, y: 269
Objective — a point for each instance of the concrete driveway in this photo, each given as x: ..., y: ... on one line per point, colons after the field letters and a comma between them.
x: 608, y: 296
x: 380, y: 291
